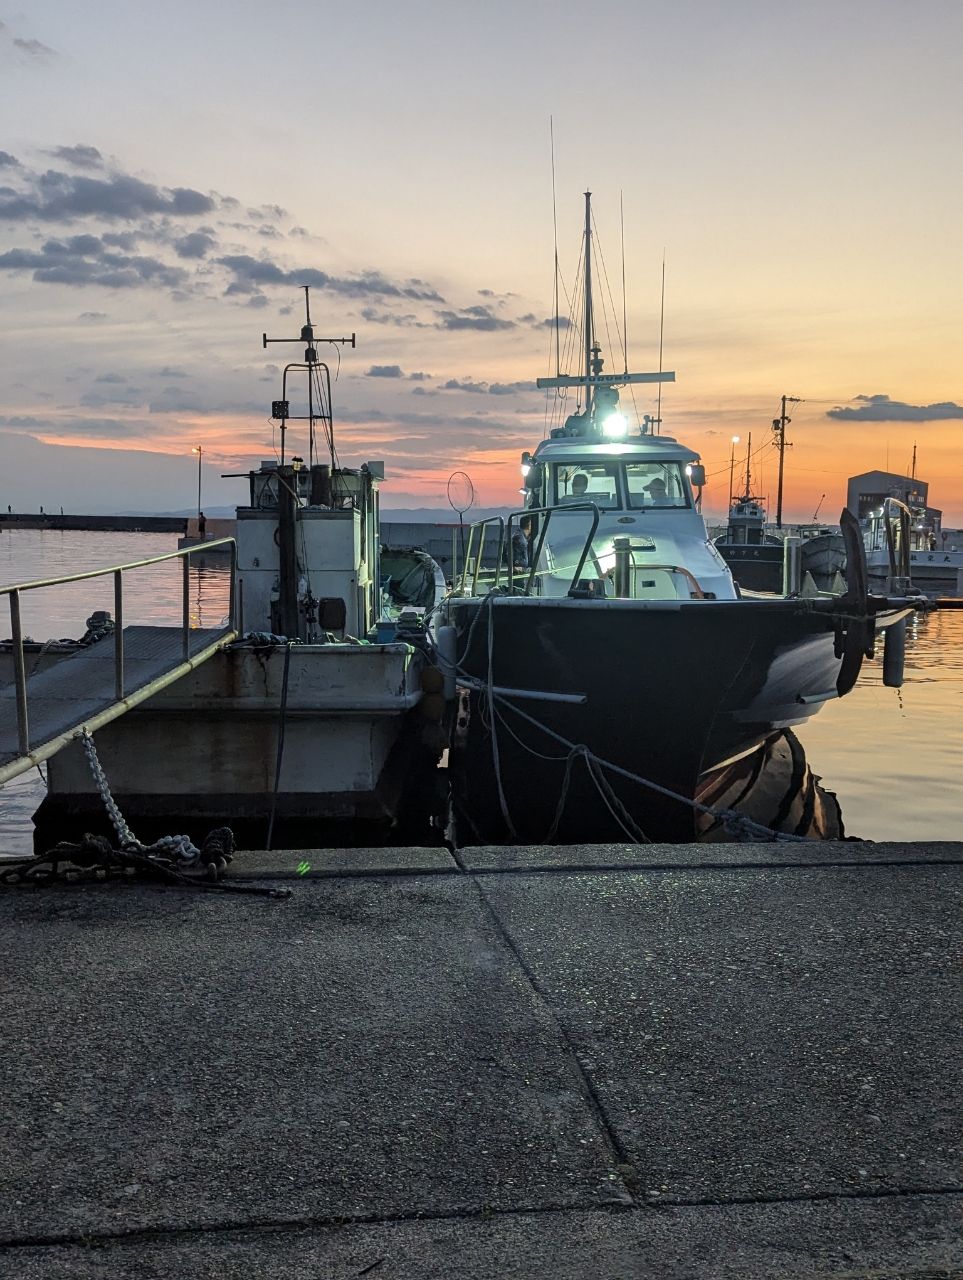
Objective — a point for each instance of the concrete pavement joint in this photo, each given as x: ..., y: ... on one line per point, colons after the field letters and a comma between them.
x: 624, y: 1167
x: 279, y: 1226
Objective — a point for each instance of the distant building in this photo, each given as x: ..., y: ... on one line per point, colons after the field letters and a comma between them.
x: 866, y: 493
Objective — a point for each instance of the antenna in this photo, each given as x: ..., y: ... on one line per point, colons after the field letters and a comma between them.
x: 558, y: 357
x: 748, y: 456
x: 658, y: 411
x: 625, y: 325
x: 281, y: 408
x: 589, y: 324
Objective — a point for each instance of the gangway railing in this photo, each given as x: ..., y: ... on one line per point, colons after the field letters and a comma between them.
x: 31, y: 754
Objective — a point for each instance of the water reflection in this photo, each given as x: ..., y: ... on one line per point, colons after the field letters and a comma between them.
x: 153, y: 595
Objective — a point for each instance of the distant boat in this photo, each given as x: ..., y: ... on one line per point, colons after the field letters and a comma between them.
x: 903, y: 540
x: 823, y: 551
x: 754, y: 556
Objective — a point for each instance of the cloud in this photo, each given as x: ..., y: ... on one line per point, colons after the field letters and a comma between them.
x: 384, y: 371
x: 62, y: 197
x: 20, y: 422
x: 84, y: 260
x: 407, y: 321
x: 7, y: 161
x: 95, y: 428
x: 91, y: 317
x: 251, y: 274
x: 83, y: 157
x: 548, y: 323
x: 34, y: 49
x: 509, y: 388
x: 477, y: 317
x: 478, y: 388
x: 197, y: 244
x: 880, y: 408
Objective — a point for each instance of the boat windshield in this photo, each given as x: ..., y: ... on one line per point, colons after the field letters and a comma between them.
x: 656, y: 484
x: 587, y: 482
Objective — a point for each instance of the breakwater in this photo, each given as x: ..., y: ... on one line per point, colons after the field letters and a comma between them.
x: 95, y: 524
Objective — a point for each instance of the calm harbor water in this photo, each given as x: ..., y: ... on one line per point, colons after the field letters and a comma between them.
x: 894, y: 757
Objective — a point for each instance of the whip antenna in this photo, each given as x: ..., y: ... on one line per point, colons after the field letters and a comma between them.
x: 625, y: 328
x: 558, y: 361
x: 658, y: 412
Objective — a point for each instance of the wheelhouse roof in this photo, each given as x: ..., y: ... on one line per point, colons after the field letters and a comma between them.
x: 635, y: 449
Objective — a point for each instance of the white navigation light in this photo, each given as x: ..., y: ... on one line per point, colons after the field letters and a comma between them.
x: 615, y: 427
x: 688, y: 469
x: 526, y: 463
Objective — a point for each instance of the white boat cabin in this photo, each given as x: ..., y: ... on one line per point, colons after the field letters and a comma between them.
x: 643, y: 491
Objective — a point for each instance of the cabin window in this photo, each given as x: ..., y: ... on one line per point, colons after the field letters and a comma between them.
x: 656, y: 484
x: 587, y: 482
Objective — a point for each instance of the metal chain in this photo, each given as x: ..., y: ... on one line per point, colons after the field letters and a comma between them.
x: 124, y: 833
x: 180, y: 846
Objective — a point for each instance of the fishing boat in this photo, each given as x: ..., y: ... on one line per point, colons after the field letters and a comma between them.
x: 316, y: 726
x: 754, y: 556
x: 822, y: 552
x: 607, y: 665
x: 904, y: 541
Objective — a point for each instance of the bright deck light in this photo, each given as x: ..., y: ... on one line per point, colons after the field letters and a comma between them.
x: 614, y: 427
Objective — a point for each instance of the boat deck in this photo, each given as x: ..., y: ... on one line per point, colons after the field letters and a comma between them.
x: 82, y: 685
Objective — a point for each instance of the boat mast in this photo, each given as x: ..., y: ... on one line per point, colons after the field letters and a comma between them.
x: 587, y: 322
x: 779, y: 426
x: 748, y: 456
x: 312, y: 365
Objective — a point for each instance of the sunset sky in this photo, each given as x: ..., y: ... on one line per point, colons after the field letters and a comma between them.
x: 170, y: 174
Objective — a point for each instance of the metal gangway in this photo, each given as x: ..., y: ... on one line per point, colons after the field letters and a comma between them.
x: 94, y: 685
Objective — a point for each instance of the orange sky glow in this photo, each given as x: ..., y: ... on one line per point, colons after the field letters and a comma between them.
x: 807, y: 217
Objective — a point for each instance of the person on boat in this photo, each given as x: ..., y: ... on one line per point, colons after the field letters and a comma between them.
x: 521, y: 543
x: 579, y: 485
x: 657, y: 492
x: 201, y: 525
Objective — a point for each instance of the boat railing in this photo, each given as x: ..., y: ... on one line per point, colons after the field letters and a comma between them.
x: 896, y: 520
x: 473, y: 571
x: 16, y: 590
x: 537, y: 544
x: 520, y: 578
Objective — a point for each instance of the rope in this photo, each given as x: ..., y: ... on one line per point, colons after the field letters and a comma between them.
x: 742, y: 827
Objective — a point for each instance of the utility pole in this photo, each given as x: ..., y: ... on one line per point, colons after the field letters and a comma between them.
x: 199, y: 450
x: 779, y: 427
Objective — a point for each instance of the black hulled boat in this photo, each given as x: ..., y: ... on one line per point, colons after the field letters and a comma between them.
x: 608, y: 666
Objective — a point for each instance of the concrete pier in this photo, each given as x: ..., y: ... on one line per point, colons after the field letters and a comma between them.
x: 95, y: 524
x: 672, y: 1061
